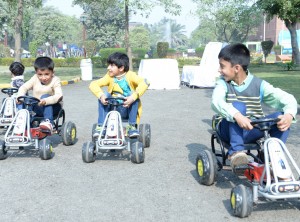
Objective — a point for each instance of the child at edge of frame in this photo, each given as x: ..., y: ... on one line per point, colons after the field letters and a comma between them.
x: 47, y: 88
x: 119, y: 79
x: 17, y: 74
x: 238, y: 97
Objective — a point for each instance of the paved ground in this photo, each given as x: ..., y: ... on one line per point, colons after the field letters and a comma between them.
x: 164, y: 188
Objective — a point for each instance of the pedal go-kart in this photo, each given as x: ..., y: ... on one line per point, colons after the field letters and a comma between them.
x: 8, y: 107
x: 113, y: 137
x: 272, y: 173
x: 24, y: 131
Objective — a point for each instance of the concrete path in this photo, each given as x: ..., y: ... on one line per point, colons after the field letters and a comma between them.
x: 164, y: 188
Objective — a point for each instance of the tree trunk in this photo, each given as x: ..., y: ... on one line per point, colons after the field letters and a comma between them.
x: 18, y: 25
x: 127, y: 44
x: 295, y: 48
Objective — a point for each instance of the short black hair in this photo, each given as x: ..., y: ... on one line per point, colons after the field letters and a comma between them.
x: 236, y: 54
x: 16, y: 68
x: 119, y: 59
x: 43, y: 63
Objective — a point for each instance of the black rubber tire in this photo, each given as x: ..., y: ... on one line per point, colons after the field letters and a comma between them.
x: 137, y: 152
x: 45, y: 149
x: 3, y: 151
x: 69, y: 133
x: 145, y: 134
x: 206, y: 166
x: 241, y: 201
x: 88, y: 152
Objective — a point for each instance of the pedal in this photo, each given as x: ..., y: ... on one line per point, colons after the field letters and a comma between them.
x: 239, y: 170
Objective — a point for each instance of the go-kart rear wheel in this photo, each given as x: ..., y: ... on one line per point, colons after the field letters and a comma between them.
x: 88, y: 152
x: 137, y: 152
x: 241, y: 201
x: 206, y: 166
x: 145, y: 134
x: 3, y: 151
x: 46, y: 149
x: 68, y: 133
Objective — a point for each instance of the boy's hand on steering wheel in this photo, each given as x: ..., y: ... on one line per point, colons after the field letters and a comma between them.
x: 42, y: 102
x: 285, y: 122
x: 102, y: 99
x: 129, y: 100
x: 243, y: 121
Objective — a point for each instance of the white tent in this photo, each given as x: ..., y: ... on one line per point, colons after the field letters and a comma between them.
x: 161, y: 73
x: 206, y: 73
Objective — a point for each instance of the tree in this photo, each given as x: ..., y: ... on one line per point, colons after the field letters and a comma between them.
x: 133, y: 7
x: 203, y: 34
x: 229, y: 18
x: 50, y: 25
x: 139, y: 37
x: 288, y: 11
x: 19, y: 6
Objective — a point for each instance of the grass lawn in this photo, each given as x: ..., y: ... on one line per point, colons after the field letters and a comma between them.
x: 288, y: 81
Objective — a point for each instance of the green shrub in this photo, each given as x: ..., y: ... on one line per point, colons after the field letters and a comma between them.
x: 107, y: 51
x: 187, y: 61
x: 97, y: 62
x: 199, y: 51
x: 139, y: 52
x: 162, y: 49
x: 288, y: 66
x: 90, y: 48
x: 267, y: 47
x: 4, y: 51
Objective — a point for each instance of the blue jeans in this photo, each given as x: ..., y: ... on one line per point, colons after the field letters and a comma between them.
x: 47, y: 112
x: 232, y: 133
x: 129, y: 113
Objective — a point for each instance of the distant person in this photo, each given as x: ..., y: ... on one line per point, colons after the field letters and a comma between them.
x: 119, y: 80
x: 46, y: 87
x: 238, y: 97
x: 17, y: 73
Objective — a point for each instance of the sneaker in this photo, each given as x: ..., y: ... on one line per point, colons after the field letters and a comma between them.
x: 96, y: 132
x: 131, y: 131
x: 238, y: 159
x: 46, y: 125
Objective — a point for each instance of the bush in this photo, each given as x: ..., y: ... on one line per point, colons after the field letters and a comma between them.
x: 187, y: 61
x: 199, y: 51
x: 162, y: 49
x: 267, y: 47
x: 139, y: 53
x: 288, y: 66
x: 107, y: 51
x: 4, y: 51
x: 90, y: 48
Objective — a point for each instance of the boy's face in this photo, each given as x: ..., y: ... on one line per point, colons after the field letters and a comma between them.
x: 227, y: 70
x: 113, y: 70
x: 45, y: 75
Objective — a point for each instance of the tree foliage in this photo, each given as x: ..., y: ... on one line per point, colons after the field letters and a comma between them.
x: 288, y: 11
x: 230, y: 19
x: 139, y: 37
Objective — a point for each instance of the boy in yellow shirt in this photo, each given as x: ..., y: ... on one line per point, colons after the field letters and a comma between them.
x: 120, y: 80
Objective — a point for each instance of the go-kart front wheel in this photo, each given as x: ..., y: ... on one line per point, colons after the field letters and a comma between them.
x: 46, y: 149
x: 3, y: 151
x: 68, y: 133
x: 137, y: 152
x: 88, y: 152
x: 206, y: 167
x: 145, y: 134
x: 241, y: 201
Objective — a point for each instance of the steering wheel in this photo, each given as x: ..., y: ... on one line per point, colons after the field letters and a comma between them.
x: 264, y: 123
x: 115, y: 101
x: 9, y: 91
x: 28, y: 100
